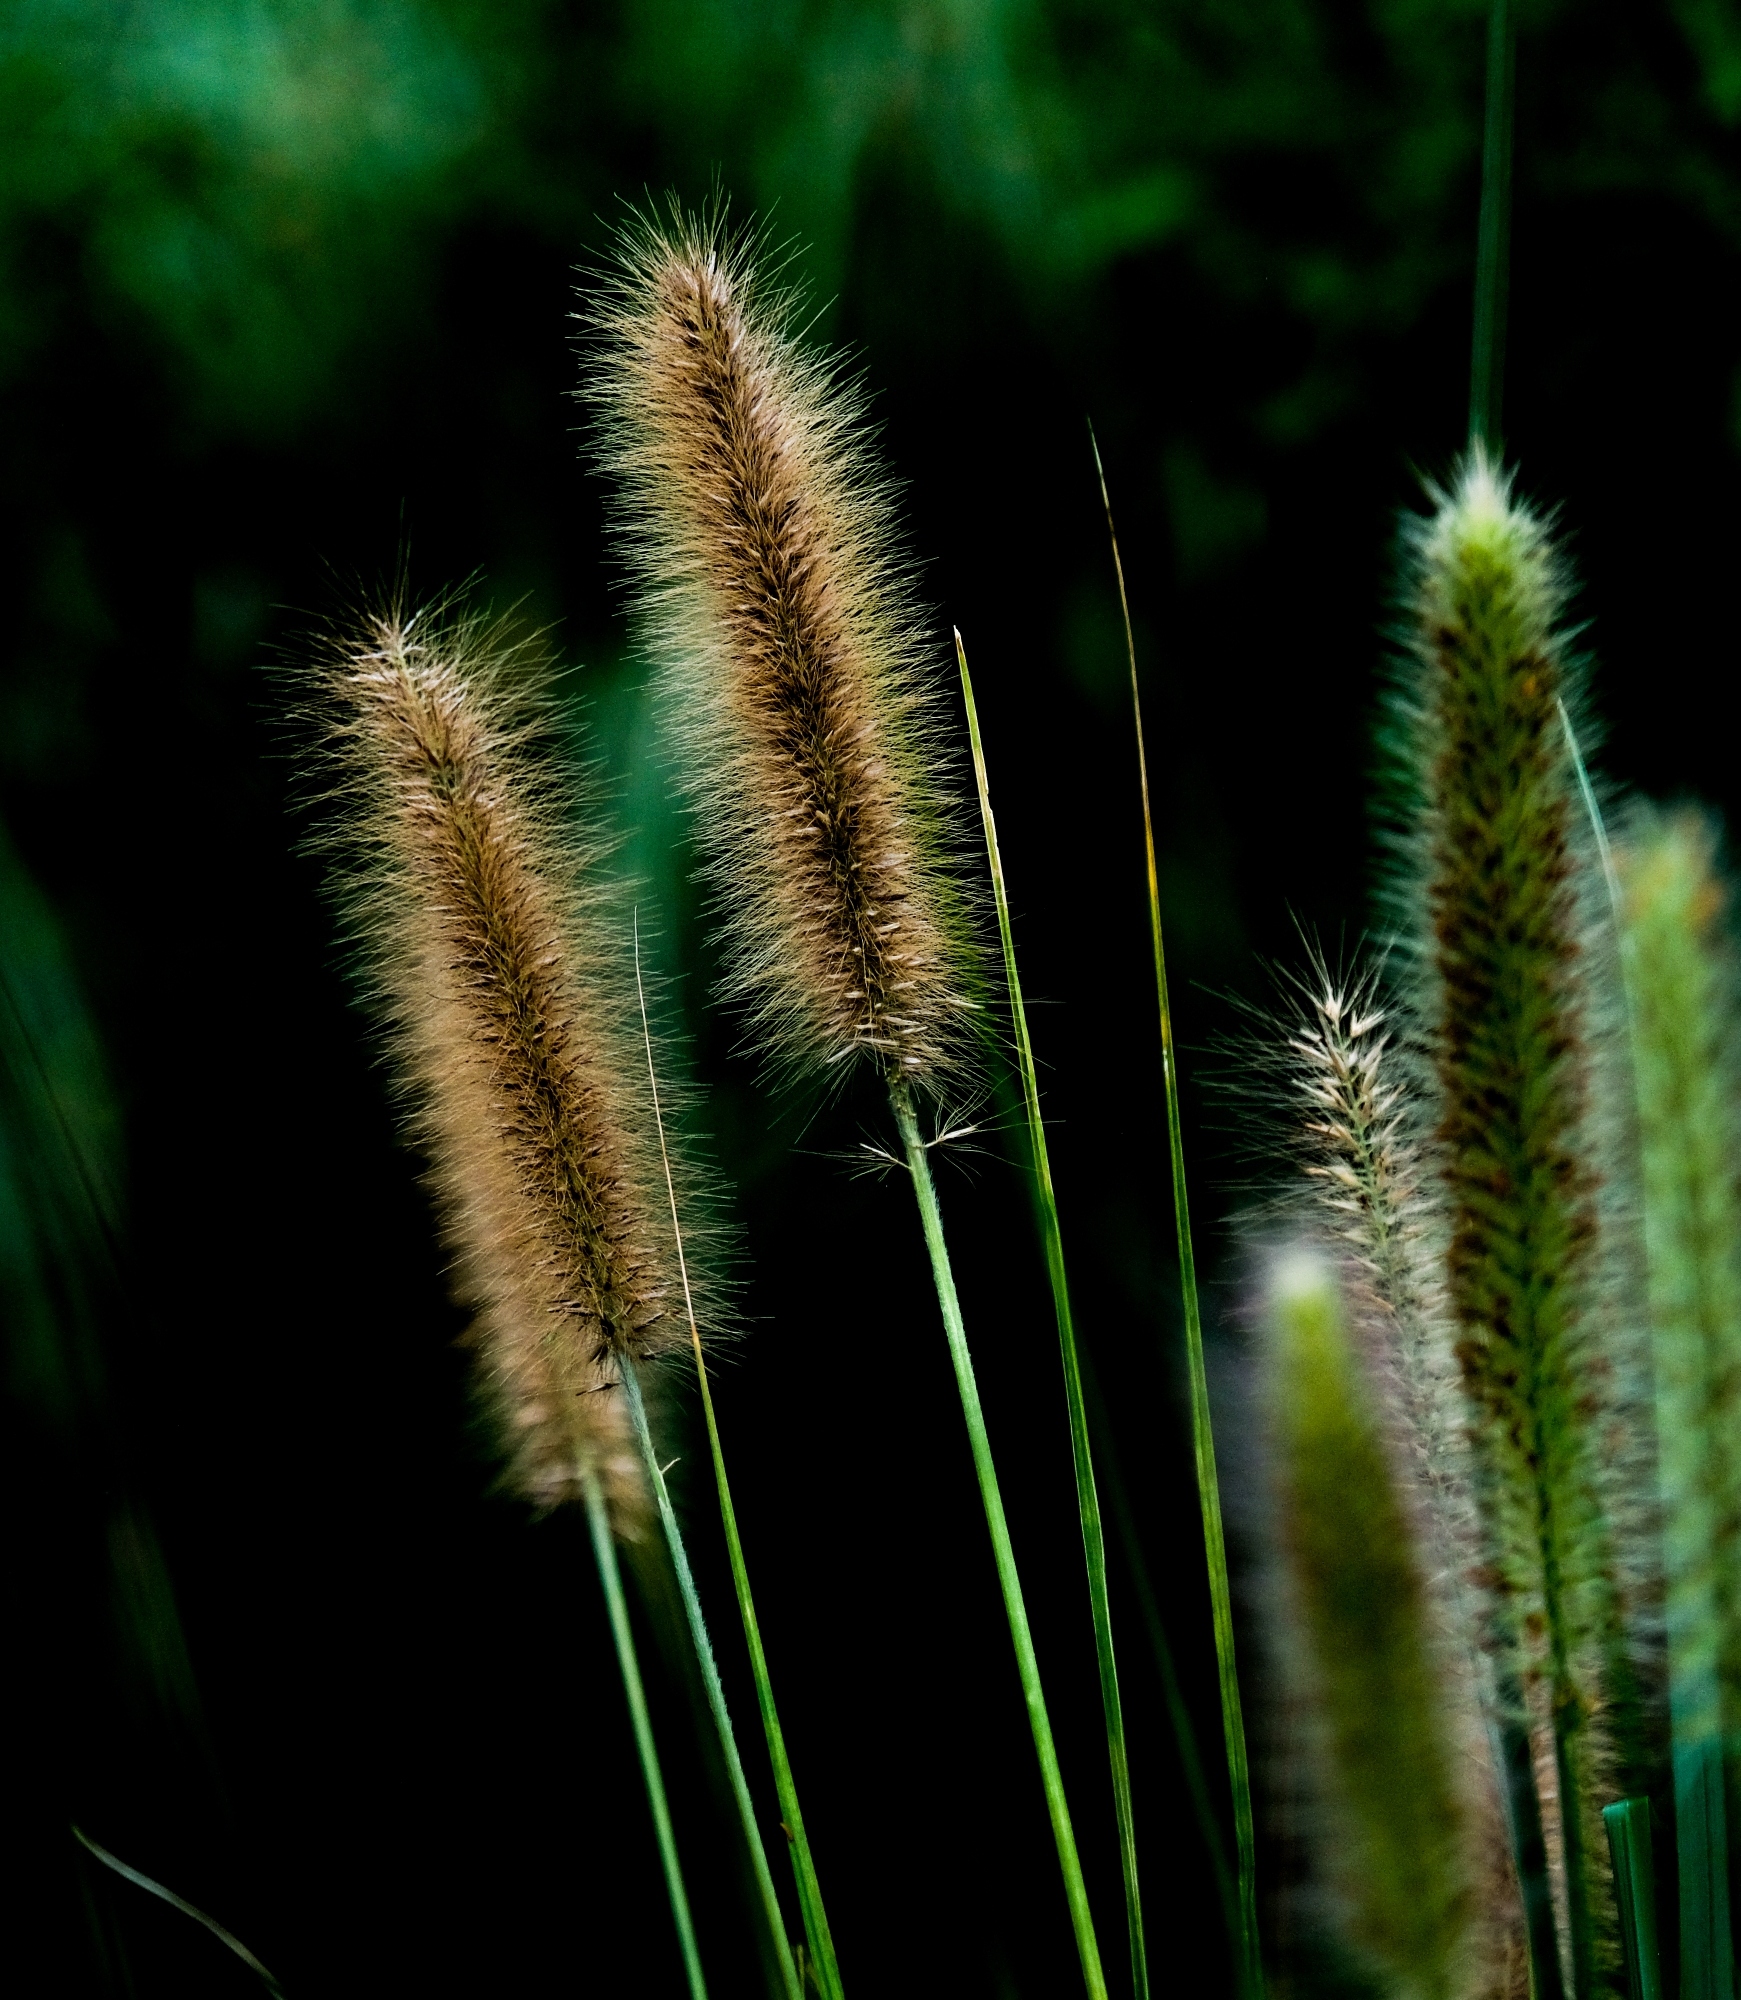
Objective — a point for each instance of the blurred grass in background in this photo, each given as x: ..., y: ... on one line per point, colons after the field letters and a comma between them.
x: 283, y: 289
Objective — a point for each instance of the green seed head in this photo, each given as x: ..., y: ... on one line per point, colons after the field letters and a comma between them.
x: 1392, y: 1833
x: 1495, y: 894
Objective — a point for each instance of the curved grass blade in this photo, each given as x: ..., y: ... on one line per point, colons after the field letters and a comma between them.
x: 1003, y: 1554
x: 1087, y: 1494
x: 823, y: 1963
x: 605, y: 1551
x: 145, y: 1882
x: 1202, y: 1434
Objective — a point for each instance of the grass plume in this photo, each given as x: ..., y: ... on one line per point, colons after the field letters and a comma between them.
x: 758, y: 532
x: 473, y: 904
x: 1491, y: 893
x: 810, y: 740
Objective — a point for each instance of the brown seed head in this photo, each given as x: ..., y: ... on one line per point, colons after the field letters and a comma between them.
x: 759, y: 534
x: 507, y: 1027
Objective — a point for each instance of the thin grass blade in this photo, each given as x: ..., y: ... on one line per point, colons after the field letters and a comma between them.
x: 604, y: 1550
x: 1493, y: 234
x: 1202, y: 1434
x: 1087, y: 1494
x: 823, y: 1963
x: 143, y: 1881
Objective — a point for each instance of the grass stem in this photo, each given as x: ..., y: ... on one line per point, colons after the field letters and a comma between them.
x: 1087, y: 1494
x: 1493, y: 234
x: 931, y: 1218
x: 711, y: 1681
x: 605, y: 1551
x: 816, y: 1931
x: 1202, y: 1434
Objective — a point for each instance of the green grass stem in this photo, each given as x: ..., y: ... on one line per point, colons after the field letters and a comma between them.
x: 1087, y: 1493
x: 1111, y: 1481
x: 1202, y: 1433
x: 1493, y: 234
x: 931, y: 1219
x: 1629, y: 1843
x: 825, y: 1966
x: 604, y: 1549
x: 711, y: 1682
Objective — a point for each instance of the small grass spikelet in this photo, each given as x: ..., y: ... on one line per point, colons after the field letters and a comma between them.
x: 1357, y: 1134
x: 1494, y: 890
x: 467, y: 894
x: 759, y: 535
x: 1351, y: 1095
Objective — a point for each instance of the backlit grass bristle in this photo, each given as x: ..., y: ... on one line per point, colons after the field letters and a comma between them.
x: 469, y: 898
x: 1357, y: 1132
x: 759, y: 534
x: 1493, y: 896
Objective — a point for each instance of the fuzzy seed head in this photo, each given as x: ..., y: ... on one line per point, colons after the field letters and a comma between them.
x: 759, y: 537
x: 1686, y: 1020
x: 480, y: 944
x: 1496, y: 892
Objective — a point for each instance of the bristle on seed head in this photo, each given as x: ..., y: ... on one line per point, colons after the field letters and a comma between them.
x: 466, y: 893
x: 759, y: 535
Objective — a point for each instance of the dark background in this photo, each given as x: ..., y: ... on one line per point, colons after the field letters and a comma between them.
x: 284, y: 290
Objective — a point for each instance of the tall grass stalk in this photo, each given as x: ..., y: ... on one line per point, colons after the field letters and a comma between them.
x: 931, y: 1219
x: 604, y: 1550
x: 711, y: 1682
x: 1087, y: 1493
x: 816, y: 1929
x: 1202, y: 1432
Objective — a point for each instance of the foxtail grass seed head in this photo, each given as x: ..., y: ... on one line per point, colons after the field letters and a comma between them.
x: 467, y: 895
x: 1494, y: 894
x: 798, y: 675
x: 1390, y: 1835
x: 1686, y: 1018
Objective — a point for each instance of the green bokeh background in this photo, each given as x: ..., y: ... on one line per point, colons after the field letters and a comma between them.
x: 284, y: 292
